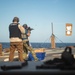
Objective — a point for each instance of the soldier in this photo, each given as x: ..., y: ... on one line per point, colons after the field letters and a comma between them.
x: 15, y: 30
x: 26, y: 44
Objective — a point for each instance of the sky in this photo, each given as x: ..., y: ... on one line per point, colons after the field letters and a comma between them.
x: 39, y: 14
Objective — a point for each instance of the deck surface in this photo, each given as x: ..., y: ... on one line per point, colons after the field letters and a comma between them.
x: 49, y: 54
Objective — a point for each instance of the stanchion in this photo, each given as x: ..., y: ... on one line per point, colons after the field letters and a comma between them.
x: 0, y: 49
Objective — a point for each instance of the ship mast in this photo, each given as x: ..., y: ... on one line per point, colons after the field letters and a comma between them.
x: 52, y: 28
x: 52, y: 38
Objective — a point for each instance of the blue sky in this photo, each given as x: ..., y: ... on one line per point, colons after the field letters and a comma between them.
x: 39, y: 14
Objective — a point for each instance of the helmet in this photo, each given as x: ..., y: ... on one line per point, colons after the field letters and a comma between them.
x: 25, y: 26
x: 16, y: 19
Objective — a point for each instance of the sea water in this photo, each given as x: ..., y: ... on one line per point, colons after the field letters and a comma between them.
x: 41, y: 45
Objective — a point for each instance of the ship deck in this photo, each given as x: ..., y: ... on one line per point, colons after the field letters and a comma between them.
x: 49, y: 54
x: 31, y: 67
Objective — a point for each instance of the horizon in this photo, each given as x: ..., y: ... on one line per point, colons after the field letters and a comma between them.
x: 45, y: 42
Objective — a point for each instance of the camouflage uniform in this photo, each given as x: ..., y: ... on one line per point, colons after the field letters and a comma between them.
x: 27, y: 47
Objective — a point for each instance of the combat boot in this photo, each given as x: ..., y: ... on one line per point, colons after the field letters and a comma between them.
x: 36, y: 59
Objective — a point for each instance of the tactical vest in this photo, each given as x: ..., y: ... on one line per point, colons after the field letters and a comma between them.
x: 24, y: 35
x: 14, y: 31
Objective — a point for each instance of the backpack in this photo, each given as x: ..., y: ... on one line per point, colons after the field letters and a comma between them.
x: 67, y: 56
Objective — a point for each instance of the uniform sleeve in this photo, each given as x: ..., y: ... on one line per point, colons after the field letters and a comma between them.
x: 21, y: 29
